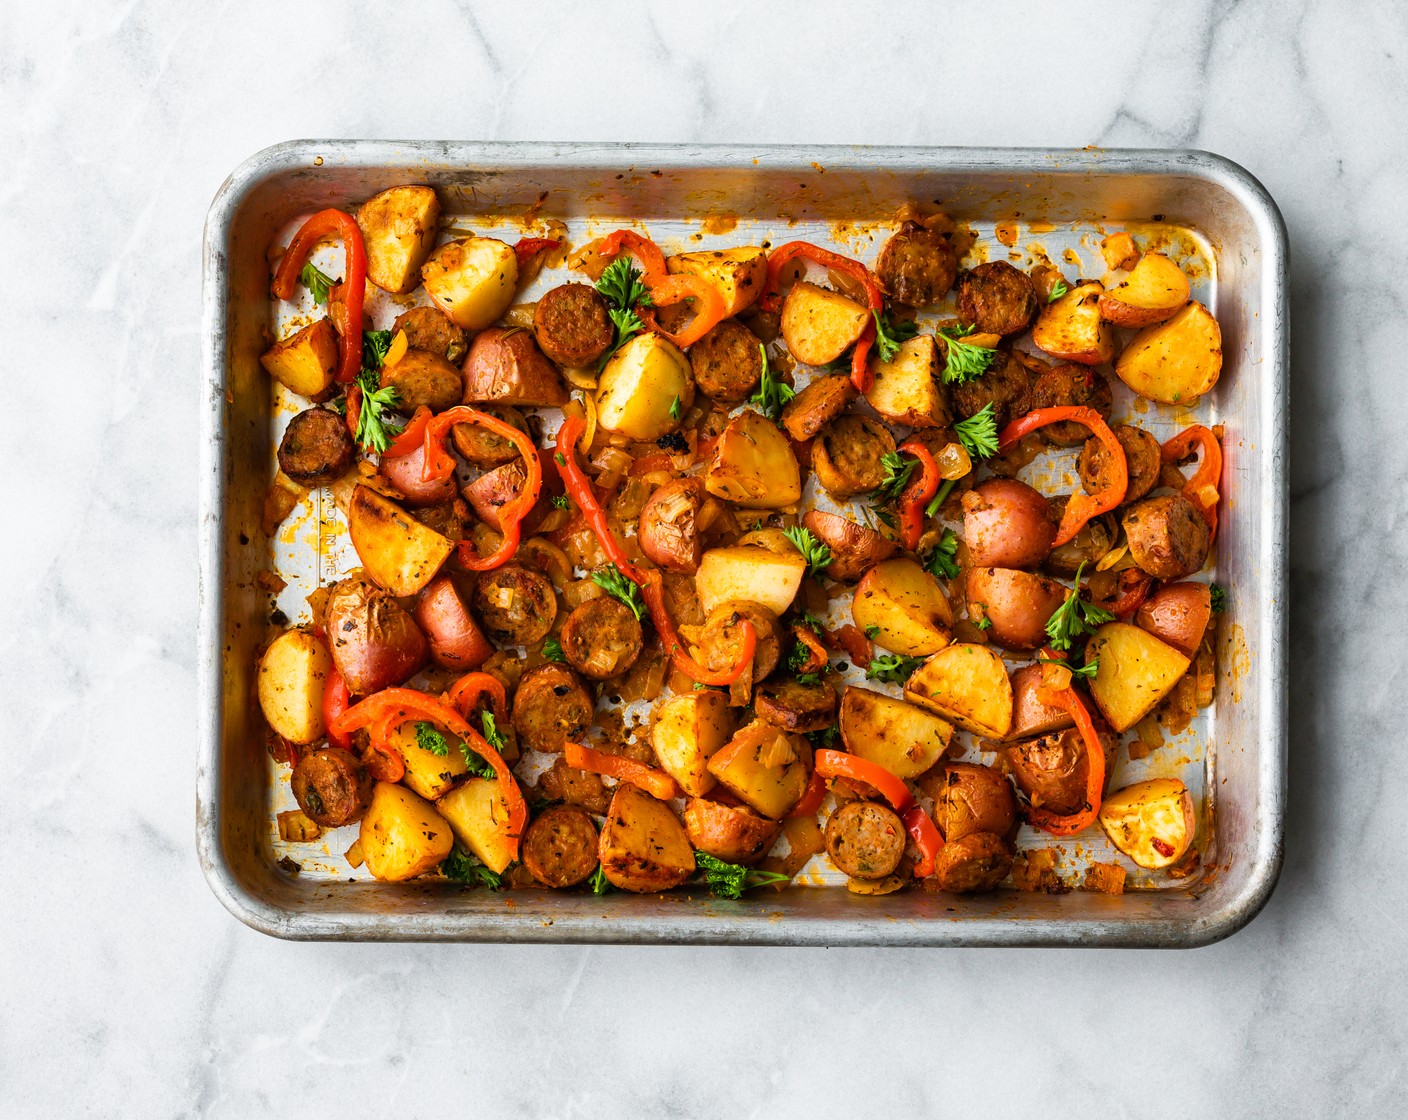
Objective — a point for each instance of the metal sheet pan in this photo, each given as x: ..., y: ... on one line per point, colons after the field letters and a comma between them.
x: 1217, y: 215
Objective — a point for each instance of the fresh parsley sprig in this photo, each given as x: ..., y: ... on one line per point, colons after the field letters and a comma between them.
x: 898, y: 470
x: 1075, y: 618
x: 816, y: 554
x: 614, y: 583
x: 375, y: 423
x: 964, y: 361
x: 893, y: 668
x: 599, y: 883
x: 552, y: 650
x: 730, y: 880
x: 943, y: 564
x: 890, y: 334
x: 430, y: 738
x: 773, y: 393
x: 978, y: 434
x: 621, y: 286
x: 318, y: 282
x: 462, y: 867
x: 1219, y: 598
x: 1088, y: 670
x: 1058, y: 289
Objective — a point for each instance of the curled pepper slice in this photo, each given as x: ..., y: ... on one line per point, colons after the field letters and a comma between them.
x: 526, y: 248
x: 466, y: 691
x: 655, y: 782
x: 1201, y: 489
x: 391, y: 707
x: 916, y: 494
x: 353, y: 288
x: 579, y: 489
x: 408, y: 438
x: 336, y: 700
x: 921, y: 828
x: 816, y: 652
x: 861, y: 374
x: 1069, y: 700
x: 812, y: 799
x: 666, y: 290
x: 439, y: 464
x: 1081, y: 507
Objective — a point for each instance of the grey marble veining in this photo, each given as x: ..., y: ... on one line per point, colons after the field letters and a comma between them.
x: 126, y: 990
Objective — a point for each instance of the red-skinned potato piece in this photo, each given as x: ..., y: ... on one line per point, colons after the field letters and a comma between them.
x: 1177, y: 614
x: 1030, y: 717
x: 667, y: 529
x: 493, y: 490
x: 1018, y: 604
x: 404, y: 473
x: 855, y: 548
x: 374, y: 643
x: 456, y: 641
x: 1007, y: 524
x: 506, y: 366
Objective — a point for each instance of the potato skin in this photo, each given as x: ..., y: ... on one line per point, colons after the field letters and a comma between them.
x: 1029, y: 715
x: 1052, y: 770
x: 1007, y: 524
x: 332, y: 787
x: 1177, y: 614
x: 402, y: 835
x: 855, y: 548
x: 374, y: 642
x: 970, y: 798
x: 996, y: 298
x: 865, y: 839
x: 515, y: 603
x: 643, y: 846
x: 560, y: 846
x: 916, y: 266
x: 572, y: 325
x: 847, y: 456
x: 1155, y: 289
x: 1168, y: 537
x: 667, y: 528
x: 455, y: 639
x: 424, y: 379
x: 506, y: 367
x: 819, y: 403
x: 1017, y: 603
x: 398, y: 230
x: 976, y: 862
x: 404, y: 472
x: 551, y: 706
x: 733, y: 833
x: 493, y: 490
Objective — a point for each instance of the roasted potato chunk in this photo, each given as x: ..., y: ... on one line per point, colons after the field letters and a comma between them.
x: 738, y: 273
x: 1071, y: 328
x: 506, y: 366
x: 398, y: 228
x: 733, y: 833
x: 686, y: 731
x: 764, y: 767
x: 396, y: 550
x: 1136, y: 672
x: 818, y: 324
x: 643, y: 847
x: 753, y: 465
x: 304, y: 363
x: 855, y: 548
x: 292, y: 675
x: 431, y: 775
x: 402, y: 835
x: 905, y: 740
x: 1151, y: 822
x: 478, y: 814
x: 645, y: 388
x: 903, y: 607
x: 750, y: 572
x: 1155, y: 289
x: 1174, y: 362
x: 472, y: 280
x: 908, y: 389
x: 967, y: 684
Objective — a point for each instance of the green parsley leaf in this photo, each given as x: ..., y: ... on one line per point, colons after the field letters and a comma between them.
x: 559, y: 459
x: 825, y: 738
x: 872, y: 632
x: 1219, y: 598
x: 319, y: 283
x: 552, y: 650
x: 889, y: 335
x: 898, y: 470
x: 943, y: 564
x: 375, y: 424
x: 884, y: 515
x: 810, y: 621
x: 893, y: 668
x: 773, y: 394
x: 559, y: 501
x: 429, y: 738
x: 964, y: 361
x: 675, y: 409
x: 614, y: 583
x: 729, y: 880
x: 1058, y: 289
x: 621, y: 286
x: 808, y: 678
x: 982, y: 622
x: 1075, y: 617
x: 375, y: 345
x: 816, y: 554
x: 978, y: 433
x: 463, y: 867
x: 1088, y: 670
x: 600, y: 884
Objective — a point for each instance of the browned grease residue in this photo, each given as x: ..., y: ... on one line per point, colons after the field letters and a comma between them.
x: 1006, y: 233
x: 719, y: 224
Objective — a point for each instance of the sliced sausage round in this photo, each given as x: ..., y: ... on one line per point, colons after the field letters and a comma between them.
x: 573, y: 325
x: 559, y: 847
x: 1143, y: 460
x: 824, y: 399
x: 1006, y: 385
x: 727, y: 362
x: 316, y: 448
x: 795, y: 706
x: 516, y: 604
x: 977, y: 862
x: 601, y: 638
x: 552, y: 705
x: 332, y: 787
x: 484, y: 448
x: 722, y: 637
x: 1071, y: 384
x: 917, y: 266
x: 997, y: 298
x: 1168, y: 537
x: 429, y: 328
x: 865, y: 839
x: 848, y: 455
x: 424, y: 379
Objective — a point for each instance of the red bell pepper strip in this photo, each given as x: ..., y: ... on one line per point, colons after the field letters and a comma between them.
x: 1201, y: 489
x: 1068, y: 699
x: 526, y: 248
x: 916, y: 494
x: 851, y: 641
x: 409, y: 438
x: 439, y: 464
x: 1134, y: 587
x: 665, y: 290
x: 840, y: 764
x: 1080, y: 508
x: 353, y: 288
x: 812, y: 799
x: 466, y: 691
x: 655, y: 782
x: 384, y: 762
x: 579, y: 489
x: 336, y: 699
x: 861, y: 375
x: 393, y: 706
x: 816, y: 652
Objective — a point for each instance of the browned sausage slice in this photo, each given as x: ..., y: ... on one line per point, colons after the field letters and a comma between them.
x: 823, y: 399
x: 601, y: 638
x: 865, y: 839
x: 722, y: 637
x: 916, y: 266
x: 848, y: 456
x: 559, y: 847
x: 727, y: 362
x: 316, y: 448
x: 516, y: 604
x: 794, y: 706
x: 1007, y: 386
x: 551, y: 706
x: 997, y: 298
x: 1168, y: 537
x: 573, y: 325
x: 429, y: 328
x: 424, y: 379
x: 977, y: 862
x: 484, y: 448
x: 332, y: 787
x: 1142, y: 456
x: 1071, y: 384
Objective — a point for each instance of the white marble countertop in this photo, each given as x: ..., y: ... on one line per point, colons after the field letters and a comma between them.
x: 125, y: 989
